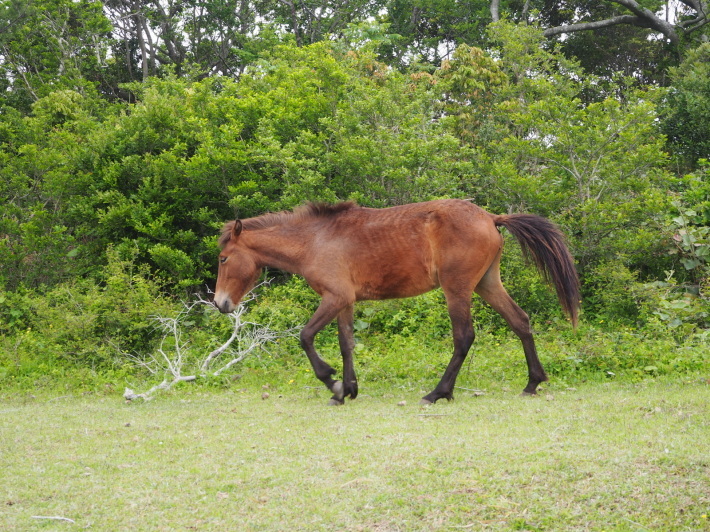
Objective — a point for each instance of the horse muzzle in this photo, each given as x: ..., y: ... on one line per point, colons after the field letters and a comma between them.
x: 224, y: 303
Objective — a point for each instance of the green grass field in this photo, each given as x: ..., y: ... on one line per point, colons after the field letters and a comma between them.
x: 599, y: 457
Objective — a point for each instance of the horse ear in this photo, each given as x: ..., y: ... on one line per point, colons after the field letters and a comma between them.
x: 237, y: 229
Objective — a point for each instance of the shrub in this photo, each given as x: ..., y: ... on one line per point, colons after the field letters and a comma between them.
x: 80, y: 324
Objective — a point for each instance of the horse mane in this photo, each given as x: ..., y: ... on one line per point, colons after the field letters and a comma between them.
x: 304, y: 212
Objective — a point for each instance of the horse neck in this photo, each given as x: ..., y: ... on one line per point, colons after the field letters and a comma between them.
x: 276, y: 247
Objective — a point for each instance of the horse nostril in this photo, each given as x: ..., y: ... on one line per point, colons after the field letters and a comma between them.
x: 223, y: 303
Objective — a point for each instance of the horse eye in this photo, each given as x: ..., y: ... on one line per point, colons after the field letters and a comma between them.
x: 222, y: 260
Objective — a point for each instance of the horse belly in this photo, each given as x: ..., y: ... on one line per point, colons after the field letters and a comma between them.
x: 392, y: 279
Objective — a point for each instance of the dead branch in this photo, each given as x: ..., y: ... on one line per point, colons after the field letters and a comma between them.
x: 55, y: 518
x: 174, y: 354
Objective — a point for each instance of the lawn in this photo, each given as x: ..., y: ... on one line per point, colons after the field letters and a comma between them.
x: 611, y: 456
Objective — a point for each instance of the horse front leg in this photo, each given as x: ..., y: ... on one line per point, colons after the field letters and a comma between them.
x: 328, y: 309
x: 347, y: 346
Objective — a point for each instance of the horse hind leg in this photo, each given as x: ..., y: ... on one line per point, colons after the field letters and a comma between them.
x: 463, y: 334
x: 492, y: 291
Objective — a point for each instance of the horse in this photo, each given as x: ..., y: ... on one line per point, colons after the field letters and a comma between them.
x: 349, y: 253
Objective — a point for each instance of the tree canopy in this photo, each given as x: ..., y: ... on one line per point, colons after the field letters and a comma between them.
x: 130, y: 131
x: 101, y: 45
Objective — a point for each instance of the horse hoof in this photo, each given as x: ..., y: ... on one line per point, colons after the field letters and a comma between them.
x: 425, y: 402
x: 528, y: 394
x: 335, y: 402
x: 338, y: 391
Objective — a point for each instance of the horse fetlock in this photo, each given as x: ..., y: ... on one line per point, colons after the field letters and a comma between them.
x: 349, y: 388
x: 324, y: 373
x: 537, y: 377
x: 352, y: 390
x: 531, y: 388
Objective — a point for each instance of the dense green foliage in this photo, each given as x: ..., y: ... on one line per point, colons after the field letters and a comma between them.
x: 112, y: 194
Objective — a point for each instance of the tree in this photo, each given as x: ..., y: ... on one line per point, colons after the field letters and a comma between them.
x: 685, y: 108
x: 42, y: 175
x: 157, y: 178
x: 433, y: 29
x: 594, y: 166
x: 204, y: 37
x: 310, y: 21
x: 48, y: 45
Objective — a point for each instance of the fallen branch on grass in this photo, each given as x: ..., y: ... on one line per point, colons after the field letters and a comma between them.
x: 130, y: 395
x: 55, y: 518
x: 174, y: 354
x: 476, y: 393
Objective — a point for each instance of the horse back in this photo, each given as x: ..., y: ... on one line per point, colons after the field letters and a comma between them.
x: 403, y: 251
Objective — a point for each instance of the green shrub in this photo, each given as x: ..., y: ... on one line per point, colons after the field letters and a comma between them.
x: 621, y: 352
x: 81, y: 324
x: 612, y: 294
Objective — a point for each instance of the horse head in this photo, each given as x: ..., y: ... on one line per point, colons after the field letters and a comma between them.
x: 238, y: 271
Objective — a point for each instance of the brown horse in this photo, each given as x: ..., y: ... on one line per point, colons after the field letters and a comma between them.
x: 349, y: 253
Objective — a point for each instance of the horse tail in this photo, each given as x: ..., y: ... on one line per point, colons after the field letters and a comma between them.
x: 543, y: 242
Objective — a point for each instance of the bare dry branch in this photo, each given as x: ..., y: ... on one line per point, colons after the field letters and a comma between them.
x: 54, y: 518
x: 173, y: 353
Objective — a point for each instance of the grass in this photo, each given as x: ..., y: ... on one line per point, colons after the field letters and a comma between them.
x: 608, y: 456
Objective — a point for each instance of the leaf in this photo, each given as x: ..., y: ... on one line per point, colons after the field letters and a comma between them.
x: 690, y: 263
x: 360, y: 325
